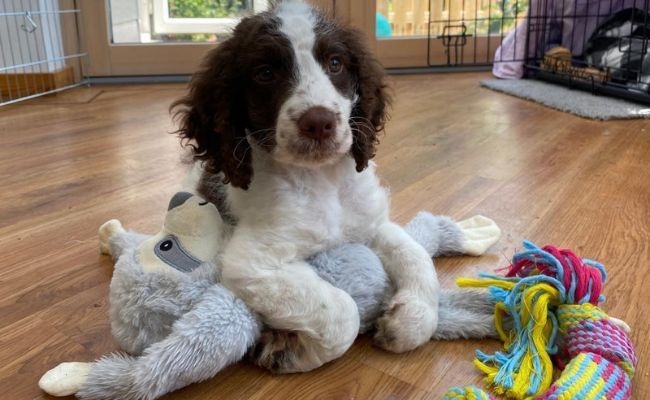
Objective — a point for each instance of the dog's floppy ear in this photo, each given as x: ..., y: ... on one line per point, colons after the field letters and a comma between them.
x: 370, y: 111
x: 211, y: 117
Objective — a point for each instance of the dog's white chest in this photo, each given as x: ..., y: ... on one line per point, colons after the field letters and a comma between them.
x: 323, y: 219
x: 314, y: 214
x: 304, y: 211
x: 311, y: 210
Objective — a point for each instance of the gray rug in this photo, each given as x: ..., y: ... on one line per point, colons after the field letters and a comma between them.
x: 574, y: 101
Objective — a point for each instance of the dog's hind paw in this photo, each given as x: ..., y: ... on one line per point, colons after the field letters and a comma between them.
x: 279, y: 351
x: 65, y: 379
x: 480, y: 233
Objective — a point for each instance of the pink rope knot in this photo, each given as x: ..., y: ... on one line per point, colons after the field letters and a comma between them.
x: 582, y: 279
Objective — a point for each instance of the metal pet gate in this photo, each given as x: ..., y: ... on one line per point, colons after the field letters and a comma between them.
x: 598, y: 45
x: 40, y: 51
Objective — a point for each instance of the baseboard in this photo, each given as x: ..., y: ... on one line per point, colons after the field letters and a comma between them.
x: 25, y: 84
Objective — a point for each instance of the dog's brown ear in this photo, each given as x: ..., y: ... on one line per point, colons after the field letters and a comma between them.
x: 370, y: 112
x: 210, y: 121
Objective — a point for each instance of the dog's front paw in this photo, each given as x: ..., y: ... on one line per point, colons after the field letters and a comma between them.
x: 64, y: 379
x: 480, y: 233
x: 406, y: 324
x: 281, y: 352
x: 106, y: 232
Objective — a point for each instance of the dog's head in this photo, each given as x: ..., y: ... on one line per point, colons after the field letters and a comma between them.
x: 293, y: 82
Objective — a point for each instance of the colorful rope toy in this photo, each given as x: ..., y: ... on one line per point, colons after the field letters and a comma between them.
x: 547, y: 314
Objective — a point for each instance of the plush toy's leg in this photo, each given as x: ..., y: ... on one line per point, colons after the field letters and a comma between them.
x: 441, y: 235
x: 480, y: 233
x: 465, y: 314
x: 438, y: 235
x: 462, y: 313
x: 214, y: 334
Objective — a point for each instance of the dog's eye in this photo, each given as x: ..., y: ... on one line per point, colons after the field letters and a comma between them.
x: 334, y: 65
x: 264, y: 74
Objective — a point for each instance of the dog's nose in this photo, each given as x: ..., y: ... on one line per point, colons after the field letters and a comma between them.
x: 317, y: 123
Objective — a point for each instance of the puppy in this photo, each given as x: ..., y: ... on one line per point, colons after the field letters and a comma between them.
x: 283, y: 118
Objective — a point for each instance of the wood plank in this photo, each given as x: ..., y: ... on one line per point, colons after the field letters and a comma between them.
x: 15, y: 85
x: 68, y: 163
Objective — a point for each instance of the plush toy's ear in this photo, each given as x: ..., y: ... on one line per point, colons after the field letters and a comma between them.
x: 178, y: 199
x: 212, y: 119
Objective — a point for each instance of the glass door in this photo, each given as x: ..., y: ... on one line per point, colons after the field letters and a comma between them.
x: 163, y: 37
x: 424, y: 33
x: 401, y: 32
x: 159, y: 37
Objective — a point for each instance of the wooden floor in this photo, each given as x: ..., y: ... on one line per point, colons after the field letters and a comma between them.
x: 71, y: 162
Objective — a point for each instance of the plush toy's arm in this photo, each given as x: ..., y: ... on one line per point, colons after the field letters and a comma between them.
x: 214, y: 334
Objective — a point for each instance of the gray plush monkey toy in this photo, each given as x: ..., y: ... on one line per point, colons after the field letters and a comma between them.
x: 180, y: 326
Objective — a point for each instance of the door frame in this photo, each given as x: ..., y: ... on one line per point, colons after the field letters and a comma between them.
x: 133, y: 59
x: 106, y: 59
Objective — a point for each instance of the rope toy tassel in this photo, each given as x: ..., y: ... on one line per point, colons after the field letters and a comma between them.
x: 466, y: 393
x: 545, y: 310
x: 582, y: 279
x: 526, y: 368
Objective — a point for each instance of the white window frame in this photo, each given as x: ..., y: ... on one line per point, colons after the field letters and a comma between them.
x: 163, y: 23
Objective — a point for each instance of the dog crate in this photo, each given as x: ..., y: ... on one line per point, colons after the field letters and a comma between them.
x: 40, y: 51
x: 598, y: 45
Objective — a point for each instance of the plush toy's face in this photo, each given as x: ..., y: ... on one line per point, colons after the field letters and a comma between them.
x: 170, y: 250
x: 190, y: 236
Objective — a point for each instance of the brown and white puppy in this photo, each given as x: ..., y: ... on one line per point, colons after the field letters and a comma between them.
x: 285, y: 114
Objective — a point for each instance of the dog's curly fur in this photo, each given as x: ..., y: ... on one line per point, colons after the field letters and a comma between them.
x: 213, y: 118
x: 294, y: 193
